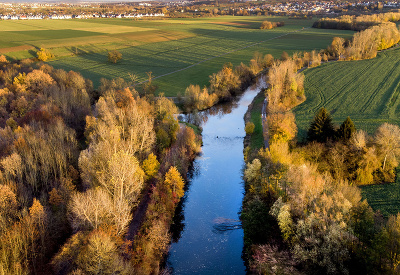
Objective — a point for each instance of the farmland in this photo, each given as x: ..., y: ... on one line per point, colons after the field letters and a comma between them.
x: 178, y: 52
x: 366, y: 90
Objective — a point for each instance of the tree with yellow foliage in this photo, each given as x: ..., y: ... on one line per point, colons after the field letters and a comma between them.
x: 151, y: 166
x: 174, y: 181
x: 44, y: 55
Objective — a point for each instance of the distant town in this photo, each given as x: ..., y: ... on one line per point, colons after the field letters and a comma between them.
x: 77, y: 16
x: 57, y: 11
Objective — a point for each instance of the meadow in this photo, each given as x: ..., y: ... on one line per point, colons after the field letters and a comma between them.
x: 178, y: 52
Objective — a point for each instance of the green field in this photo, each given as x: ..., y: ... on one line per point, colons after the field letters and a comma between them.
x: 367, y: 91
x: 178, y: 52
x: 383, y: 197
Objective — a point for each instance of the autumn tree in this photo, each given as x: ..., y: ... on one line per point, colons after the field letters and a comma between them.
x: 114, y: 56
x: 337, y: 48
x: 267, y: 25
x: 44, y: 54
x: 121, y: 178
x: 37, y: 81
x: 174, y: 181
x: 286, y: 86
x: 282, y: 127
x: 97, y: 252
x: 3, y: 59
x: 101, y: 256
x: 393, y: 243
x: 268, y: 60
x: 44, y: 154
x: 285, y: 56
x: 8, y: 207
x: 167, y: 126
x: 387, y: 139
x: 198, y: 99
x: 151, y: 165
x: 224, y: 83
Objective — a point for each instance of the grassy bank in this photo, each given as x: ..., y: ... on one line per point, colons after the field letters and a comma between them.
x: 255, y: 141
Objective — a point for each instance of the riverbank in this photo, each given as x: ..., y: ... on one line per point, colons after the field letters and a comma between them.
x: 253, y: 142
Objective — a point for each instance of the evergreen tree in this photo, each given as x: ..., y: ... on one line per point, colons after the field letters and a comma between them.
x: 346, y: 130
x: 321, y: 127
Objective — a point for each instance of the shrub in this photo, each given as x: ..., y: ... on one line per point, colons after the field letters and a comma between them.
x: 271, y: 25
x: 44, y: 55
x: 249, y: 128
x: 114, y: 56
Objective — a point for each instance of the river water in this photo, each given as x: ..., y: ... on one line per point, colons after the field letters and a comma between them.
x: 207, y: 237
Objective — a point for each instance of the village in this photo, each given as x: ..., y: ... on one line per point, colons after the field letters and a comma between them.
x: 56, y: 11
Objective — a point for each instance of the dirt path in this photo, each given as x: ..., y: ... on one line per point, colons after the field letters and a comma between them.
x: 265, y: 122
x: 139, y: 214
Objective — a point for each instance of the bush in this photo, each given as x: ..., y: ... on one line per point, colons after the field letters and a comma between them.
x: 249, y: 128
x: 271, y: 25
x: 114, y: 56
x: 3, y: 59
x: 44, y: 55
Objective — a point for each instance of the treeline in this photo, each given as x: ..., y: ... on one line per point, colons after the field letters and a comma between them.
x: 378, y: 32
x: 356, y: 23
x: 74, y: 165
x: 302, y: 211
x: 267, y: 25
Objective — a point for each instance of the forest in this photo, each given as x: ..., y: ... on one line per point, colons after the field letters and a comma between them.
x: 89, y: 178
x: 303, y: 212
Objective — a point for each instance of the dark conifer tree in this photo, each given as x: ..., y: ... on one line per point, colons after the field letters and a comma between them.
x: 346, y: 130
x: 321, y: 128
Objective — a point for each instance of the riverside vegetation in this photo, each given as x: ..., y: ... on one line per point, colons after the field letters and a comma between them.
x: 303, y: 211
x: 72, y: 176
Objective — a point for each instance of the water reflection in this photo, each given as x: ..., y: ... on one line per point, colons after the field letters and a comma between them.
x: 199, y: 118
x: 207, y: 235
x: 178, y: 224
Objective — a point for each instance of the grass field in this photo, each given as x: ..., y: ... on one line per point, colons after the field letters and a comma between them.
x: 178, y: 52
x: 368, y: 91
x: 383, y: 197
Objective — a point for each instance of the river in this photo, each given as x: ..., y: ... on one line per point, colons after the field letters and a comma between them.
x: 208, y: 238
